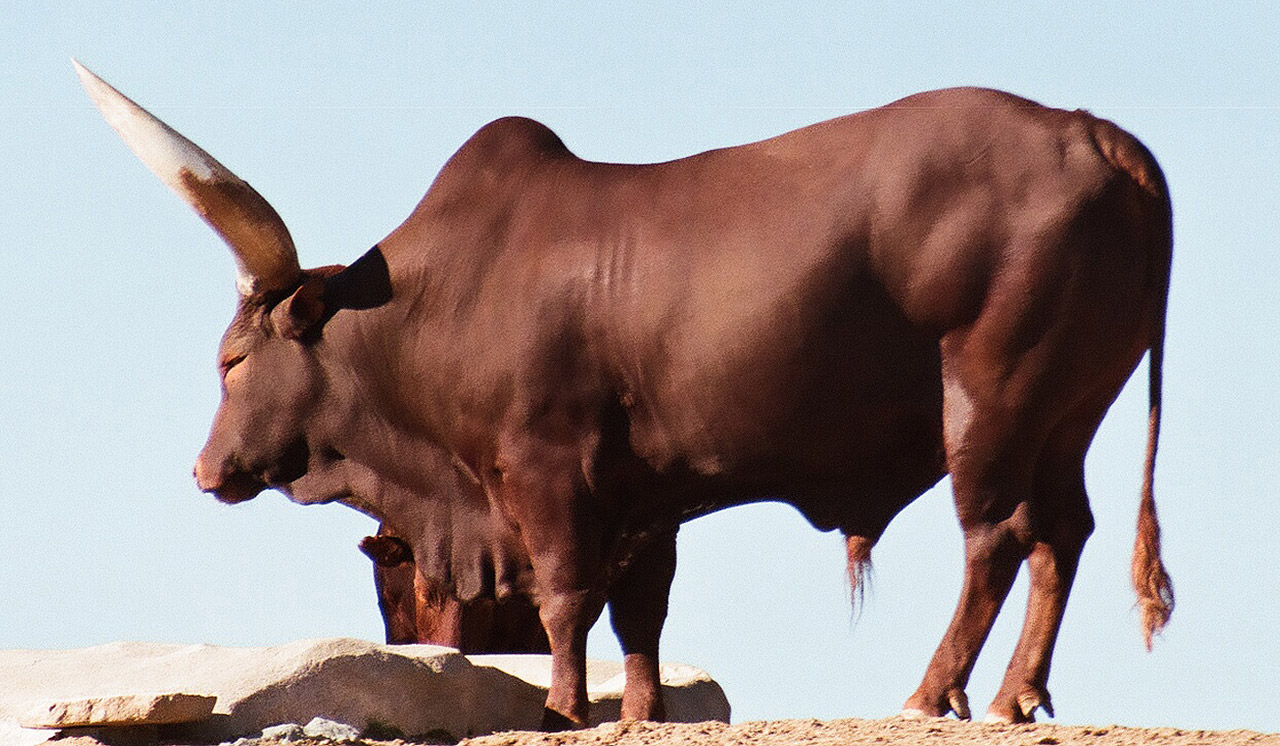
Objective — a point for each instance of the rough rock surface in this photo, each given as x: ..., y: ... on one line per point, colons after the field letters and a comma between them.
x: 408, y: 690
x: 121, y: 709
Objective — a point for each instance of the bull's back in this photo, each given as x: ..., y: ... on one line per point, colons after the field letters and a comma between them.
x: 785, y: 299
x: 768, y: 313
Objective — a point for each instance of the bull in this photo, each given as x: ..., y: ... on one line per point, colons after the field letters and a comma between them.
x: 418, y: 609
x: 559, y: 361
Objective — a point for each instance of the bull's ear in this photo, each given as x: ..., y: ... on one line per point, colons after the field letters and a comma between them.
x: 386, y: 551
x: 301, y: 314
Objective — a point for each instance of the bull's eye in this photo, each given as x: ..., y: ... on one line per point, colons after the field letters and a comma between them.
x: 226, y: 365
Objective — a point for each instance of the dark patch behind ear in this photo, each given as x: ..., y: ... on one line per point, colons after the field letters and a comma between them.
x: 365, y: 284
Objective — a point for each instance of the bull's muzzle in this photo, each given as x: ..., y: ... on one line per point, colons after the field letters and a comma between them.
x: 227, y: 485
x: 232, y: 478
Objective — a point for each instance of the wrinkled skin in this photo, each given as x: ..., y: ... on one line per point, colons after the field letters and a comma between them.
x: 416, y: 609
x: 556, y: 362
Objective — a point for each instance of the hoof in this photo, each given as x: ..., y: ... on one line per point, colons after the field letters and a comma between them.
x: 652, y: 715
x: 554, y: 722
x: 1029, y: 702
x: 956, y: 702
x: 1023, y: 709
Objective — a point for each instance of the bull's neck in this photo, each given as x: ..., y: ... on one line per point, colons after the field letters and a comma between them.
x: 361, y: 349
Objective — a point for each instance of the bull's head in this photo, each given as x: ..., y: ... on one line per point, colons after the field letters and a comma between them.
x: 271, y: 380
x: 294, y: 414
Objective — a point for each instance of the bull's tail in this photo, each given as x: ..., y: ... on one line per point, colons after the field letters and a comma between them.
x: 1150, y: 579
x: 1129, y: 156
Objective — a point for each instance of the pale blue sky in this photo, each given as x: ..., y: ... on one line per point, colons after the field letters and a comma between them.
x: 114, y: 295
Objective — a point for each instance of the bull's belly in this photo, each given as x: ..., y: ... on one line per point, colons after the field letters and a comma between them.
x: 847, y: 446
x: 816, y: 390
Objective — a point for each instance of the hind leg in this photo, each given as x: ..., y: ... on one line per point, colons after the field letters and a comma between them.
x: 1061, y: 524
x: 638, y: 609
x: 996, y: 543
x: 990, y: 452
x: 1052, y: 563
x: 1018, y: 477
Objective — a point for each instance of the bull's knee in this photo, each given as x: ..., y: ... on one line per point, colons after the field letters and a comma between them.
x: 999, y: 542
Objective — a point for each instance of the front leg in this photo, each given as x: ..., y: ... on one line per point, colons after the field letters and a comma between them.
x: 638, y: 609
x: 568, y: 616
x: 563, y: 540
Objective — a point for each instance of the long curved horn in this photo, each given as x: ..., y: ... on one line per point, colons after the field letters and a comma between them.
x: 265, y: 256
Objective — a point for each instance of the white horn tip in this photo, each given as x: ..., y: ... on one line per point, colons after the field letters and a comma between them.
x: 97, y: 88
x: 264, y: 251
x: 167, y: 153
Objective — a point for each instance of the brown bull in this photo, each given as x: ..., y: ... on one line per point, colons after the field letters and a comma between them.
x: 417, y: 609
x: 562, y: 360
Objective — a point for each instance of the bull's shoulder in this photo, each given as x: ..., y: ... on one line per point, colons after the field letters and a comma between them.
x: 481, y: 177
x: 495, y: 160
x: 511, y: 140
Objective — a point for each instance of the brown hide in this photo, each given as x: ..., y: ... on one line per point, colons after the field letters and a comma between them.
x: 556, y: 361
x: 419, y: 610
x: 393, y: 582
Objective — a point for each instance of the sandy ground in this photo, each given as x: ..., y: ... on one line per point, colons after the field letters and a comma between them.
x: 933, y: 732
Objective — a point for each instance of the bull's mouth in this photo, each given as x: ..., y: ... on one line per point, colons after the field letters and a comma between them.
x: 238, y: 488
x: 245, y: 484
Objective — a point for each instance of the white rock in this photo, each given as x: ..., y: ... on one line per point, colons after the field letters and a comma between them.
x: 413, y: 689
x: 285, y: 732
x: 323, y: 728
x: 120, y: 709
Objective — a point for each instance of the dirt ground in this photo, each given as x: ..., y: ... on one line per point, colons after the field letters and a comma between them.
x: 930, y: 732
